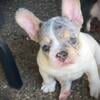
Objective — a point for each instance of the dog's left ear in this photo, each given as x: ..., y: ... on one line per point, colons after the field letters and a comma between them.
x: 72, y: 10
x: 29, y: 22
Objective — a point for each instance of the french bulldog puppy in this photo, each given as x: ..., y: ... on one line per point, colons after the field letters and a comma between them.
x: 65, y: 53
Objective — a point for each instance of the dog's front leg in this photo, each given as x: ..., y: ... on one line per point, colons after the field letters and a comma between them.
x: 48, y: 84
x: 94, y: 80
x: 65, y: 89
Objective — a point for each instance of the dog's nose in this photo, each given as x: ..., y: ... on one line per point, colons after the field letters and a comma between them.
x: 62, y: 55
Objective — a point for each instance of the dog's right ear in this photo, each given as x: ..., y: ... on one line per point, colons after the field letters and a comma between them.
x: 29, y: 22
x: 72, y: 10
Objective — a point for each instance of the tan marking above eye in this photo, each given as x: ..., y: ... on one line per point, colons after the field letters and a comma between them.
x: 45, y: 40
x: 66, y: 34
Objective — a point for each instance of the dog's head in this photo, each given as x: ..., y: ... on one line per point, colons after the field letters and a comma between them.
x: 58, y: 37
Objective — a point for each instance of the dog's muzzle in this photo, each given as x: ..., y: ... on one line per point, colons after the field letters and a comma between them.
x: 62, y: 56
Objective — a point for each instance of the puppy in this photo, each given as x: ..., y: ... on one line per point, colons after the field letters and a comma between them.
x: 65, y: 53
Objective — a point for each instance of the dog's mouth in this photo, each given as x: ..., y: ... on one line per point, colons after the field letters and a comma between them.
x: 64, y: 62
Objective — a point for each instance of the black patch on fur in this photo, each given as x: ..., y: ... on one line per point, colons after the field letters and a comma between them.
x: 86, y: 6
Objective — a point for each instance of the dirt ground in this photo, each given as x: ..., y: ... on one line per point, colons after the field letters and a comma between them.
x: 25, y: 52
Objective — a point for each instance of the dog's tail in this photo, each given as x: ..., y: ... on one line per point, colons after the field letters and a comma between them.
x: 9, y: 66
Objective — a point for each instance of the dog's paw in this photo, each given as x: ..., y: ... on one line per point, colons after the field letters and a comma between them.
x: 48, y: 87
x: 95, y: 89
x: 64, y: 95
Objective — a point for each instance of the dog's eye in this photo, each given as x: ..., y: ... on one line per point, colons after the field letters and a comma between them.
x: 73, y: 40
x: 46, y: 48
x: 58, y: 26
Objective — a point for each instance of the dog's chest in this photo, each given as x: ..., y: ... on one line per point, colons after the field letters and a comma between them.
x: 65, y: 74
x: 72, y: 75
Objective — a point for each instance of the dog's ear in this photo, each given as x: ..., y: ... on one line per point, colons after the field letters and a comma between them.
x: 72, y: 10
x: 29, y: 22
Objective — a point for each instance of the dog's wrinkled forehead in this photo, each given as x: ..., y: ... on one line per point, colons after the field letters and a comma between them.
x: 58, y: 25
